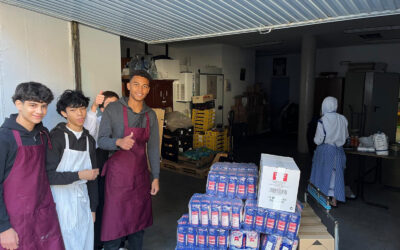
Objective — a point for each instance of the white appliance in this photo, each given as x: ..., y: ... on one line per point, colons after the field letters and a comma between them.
x: 183, y: 92
x: 183, y: 88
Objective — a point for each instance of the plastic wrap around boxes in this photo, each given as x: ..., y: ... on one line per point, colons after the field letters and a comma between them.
x: 227, y: 216
x: 233, y: 180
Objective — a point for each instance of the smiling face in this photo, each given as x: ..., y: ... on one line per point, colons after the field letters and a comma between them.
x: 75, y: 117
x: 138, y: 88
x: 31, y: 113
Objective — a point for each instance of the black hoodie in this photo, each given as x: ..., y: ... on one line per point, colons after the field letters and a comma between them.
x: 55, y: 154
x: 8, y: 152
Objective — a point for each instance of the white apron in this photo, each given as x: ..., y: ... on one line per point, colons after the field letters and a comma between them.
x: 72, y: 201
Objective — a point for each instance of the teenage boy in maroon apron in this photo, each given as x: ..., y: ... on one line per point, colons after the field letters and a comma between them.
x: 28, y: 217
x: 130, y: 128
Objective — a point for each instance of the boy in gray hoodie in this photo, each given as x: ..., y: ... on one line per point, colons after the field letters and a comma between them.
x: 130, y: 128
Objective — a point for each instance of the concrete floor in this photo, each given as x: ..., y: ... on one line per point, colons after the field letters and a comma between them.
x: 361, y: 226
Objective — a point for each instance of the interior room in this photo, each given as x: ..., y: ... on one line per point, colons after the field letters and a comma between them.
x: 233, y: 82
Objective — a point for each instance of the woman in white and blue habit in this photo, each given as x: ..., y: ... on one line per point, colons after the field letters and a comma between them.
x: 329, y: 160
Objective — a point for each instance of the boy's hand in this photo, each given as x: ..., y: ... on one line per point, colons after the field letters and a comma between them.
x: 99, y: 100
x: 94, y: 216
x: 155, y: 187
x: 9, y: 239
x: 126, y: 143
x: 88, y: 174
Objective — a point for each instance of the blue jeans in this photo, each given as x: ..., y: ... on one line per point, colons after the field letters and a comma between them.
x: 135, y: 242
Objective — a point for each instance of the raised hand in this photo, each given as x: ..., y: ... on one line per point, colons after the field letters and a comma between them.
x: 126, y: 143
x: 99, y: 100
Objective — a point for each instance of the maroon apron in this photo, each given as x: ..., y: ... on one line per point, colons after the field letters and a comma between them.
x: 29, y: 201
x: 127, y: 203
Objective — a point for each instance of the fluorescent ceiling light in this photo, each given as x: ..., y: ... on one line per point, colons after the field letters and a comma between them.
x: 372, y: 29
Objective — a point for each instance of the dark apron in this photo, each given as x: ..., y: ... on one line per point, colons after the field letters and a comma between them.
x: 29, y: 201
x: 127, y: 204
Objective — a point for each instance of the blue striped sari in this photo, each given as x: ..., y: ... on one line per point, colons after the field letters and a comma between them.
x: 329, y: 161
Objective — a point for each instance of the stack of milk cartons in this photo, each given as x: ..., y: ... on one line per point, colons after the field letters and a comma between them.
x: 215, y: 219
x: 245, y: 208
x: 236, y: 180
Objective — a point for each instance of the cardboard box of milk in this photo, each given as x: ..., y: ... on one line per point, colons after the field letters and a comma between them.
x: 279, y: 183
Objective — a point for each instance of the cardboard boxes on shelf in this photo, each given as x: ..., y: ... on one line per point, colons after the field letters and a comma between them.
x: 202, y: 98
x: 279, y: 183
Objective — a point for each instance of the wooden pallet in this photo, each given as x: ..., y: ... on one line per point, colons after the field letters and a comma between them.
x: 198, y: 170
x: 201, y: 163
x: 184, y: 168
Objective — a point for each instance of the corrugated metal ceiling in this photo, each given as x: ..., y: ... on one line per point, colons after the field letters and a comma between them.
x: 168, y: 21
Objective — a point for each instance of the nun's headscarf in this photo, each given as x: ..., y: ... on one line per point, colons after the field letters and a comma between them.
x: 329, y: 105
x: 335, y: 124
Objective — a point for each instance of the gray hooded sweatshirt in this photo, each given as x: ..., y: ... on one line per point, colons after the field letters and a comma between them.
x: 112, y: 128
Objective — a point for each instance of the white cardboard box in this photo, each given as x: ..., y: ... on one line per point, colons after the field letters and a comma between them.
x: 279, y: 183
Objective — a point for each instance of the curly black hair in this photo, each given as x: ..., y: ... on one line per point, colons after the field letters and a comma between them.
x: 141, y: 73
x: 32, y: 91
x: 72, y: 99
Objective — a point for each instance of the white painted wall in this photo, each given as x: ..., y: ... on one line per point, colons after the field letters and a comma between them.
x: 36, y: 47
x: 197, y: 57
x: 329, y: 59
x: 230, y: 58
x: 33, y: 47
x: 100, y: 61
x: 233, y: 60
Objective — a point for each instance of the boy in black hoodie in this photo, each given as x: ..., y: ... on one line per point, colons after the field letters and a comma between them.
x: 71, y: 167
x: 28, y: 218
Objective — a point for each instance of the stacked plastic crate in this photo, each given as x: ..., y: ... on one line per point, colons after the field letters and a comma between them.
x: 215, y: 139
x: 202, y: 120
